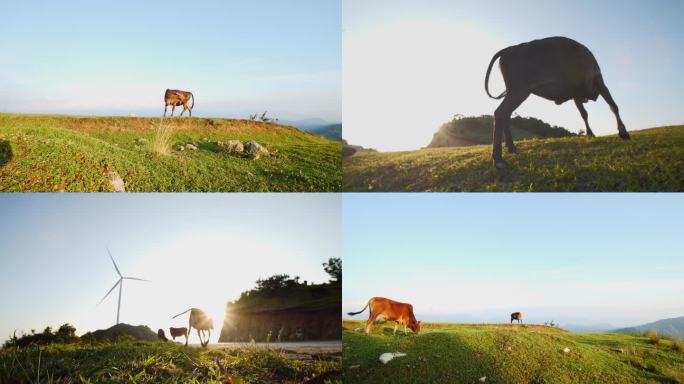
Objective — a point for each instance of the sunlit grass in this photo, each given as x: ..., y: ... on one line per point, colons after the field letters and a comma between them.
x: 65, y: 153
x: 161, y: 144
x: 155, y: 362
x: 504, y: 353
x: 653, y: 160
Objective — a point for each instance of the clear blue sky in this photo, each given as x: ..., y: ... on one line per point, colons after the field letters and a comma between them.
x: 198, y: 250
x: 579, y: 259
x: 118, y: 57
x: 409, y: 66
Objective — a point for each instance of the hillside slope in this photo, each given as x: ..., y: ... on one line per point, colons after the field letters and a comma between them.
x: 296, y: 313
x: 66, y: 153
x: 652, y: 161
x: 670, y: 327
x: 465, y: 353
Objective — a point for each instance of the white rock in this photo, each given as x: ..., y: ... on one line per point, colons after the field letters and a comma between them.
x: 231, y: 146
x: 483, y: 379
x: 254, y: 147
x: 566, y: 350
x: 115, y: 181
x: 191, y: 147
x: 388, y: 356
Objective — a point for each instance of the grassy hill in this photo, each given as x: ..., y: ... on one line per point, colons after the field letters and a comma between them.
x: 67, y: 153
x: 669, y: 327
x: 464, y: 353
x: 652, y: 161
x: 158, y: 362
x: 473, y: 130
x: 140, y: 333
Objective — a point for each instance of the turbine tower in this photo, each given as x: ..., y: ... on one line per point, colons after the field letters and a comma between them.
x: 119, y: 283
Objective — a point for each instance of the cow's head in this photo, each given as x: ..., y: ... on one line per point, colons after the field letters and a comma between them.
x: 415, y: 326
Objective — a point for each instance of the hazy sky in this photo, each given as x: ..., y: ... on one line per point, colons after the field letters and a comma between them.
x: 198, y: 250
x: 578, y: 259
x: 409, y: 66
x: 118, y: 57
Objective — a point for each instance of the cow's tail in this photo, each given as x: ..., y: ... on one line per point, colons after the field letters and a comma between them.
x: 489, y: 70
x: 193, y: 101
x: 182, y: 313
x: 356, y: 313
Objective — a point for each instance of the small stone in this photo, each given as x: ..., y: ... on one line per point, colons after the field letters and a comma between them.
x: 483, y: 379
x: 231, y: 146
x: 181, y: 148
x: 354, y: 366
x: 191, y: 147
x: 566, y: 350
x: 115, y: 181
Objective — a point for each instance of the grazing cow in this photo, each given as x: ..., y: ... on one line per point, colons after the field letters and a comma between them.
x: 516, y: 316
x: 161, y: 336
x: 178, y: 332
x: 555, y: 68
x: 201, y: 322
x: 390, y: 310
x: 174, y: 98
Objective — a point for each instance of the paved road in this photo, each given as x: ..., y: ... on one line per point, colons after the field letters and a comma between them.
x: 325, y: 346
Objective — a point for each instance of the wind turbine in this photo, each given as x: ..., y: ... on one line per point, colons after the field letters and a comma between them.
x: 120, y: 284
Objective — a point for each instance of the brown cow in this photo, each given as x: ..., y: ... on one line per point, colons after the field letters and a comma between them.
x: 174, y: 98
x: 516, y: 316
x: 555, y: 68
x: 390, y: 310
x: 178, y: 332
x: 161, y: 336
x: 201, y: 322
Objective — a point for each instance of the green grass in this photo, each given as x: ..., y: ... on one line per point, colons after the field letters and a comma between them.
x: 653, y: 160
x: 66, y: 153
x: 464, y: 353
x: 156, y: 362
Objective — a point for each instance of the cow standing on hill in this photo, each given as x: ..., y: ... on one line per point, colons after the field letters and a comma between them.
x: 175, y: 98
x: 555, y: 68
x: 178, y: 332
x: 516, y: 316
x: 390, y: 310
x: 201, y: 322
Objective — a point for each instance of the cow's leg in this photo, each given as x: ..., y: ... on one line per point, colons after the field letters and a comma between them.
x: 173, y: 108
x: 605, y: 93
x: 405, y: 330
x: 369, y: 322
x: 396, y: 325
x: 585, y: 116
x: 165, y: 106
x: 187, y: 107
x: 508, y: 139
x: 502, y: 120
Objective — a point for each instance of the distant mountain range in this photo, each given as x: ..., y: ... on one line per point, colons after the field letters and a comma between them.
x: 320, y: 127
x: 669, y: 327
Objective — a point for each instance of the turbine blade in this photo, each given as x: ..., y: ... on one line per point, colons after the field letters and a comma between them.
x: 111, y: 257
x: 110, y: 291
x: 134, y: 278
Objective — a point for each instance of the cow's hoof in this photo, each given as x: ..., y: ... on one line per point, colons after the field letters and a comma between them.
x: 500, y: 164
x: 624, y: 135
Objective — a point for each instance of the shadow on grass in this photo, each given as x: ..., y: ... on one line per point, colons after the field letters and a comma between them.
x: 5, y: 152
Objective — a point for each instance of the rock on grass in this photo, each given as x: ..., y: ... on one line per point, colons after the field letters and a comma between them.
x: 115, y: 181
